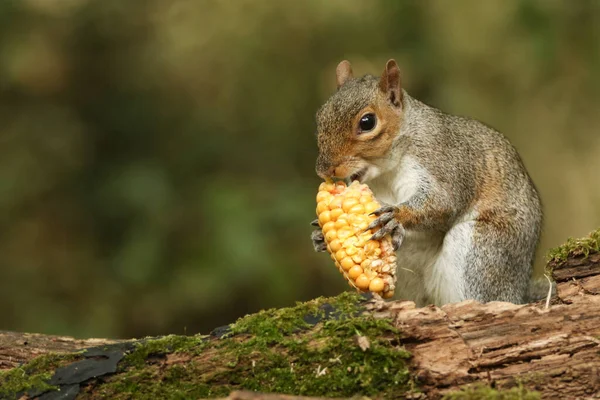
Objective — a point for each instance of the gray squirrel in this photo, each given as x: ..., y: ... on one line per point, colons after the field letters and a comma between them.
x: 463, y: 213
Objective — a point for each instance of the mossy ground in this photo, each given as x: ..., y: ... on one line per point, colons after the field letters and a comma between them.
x: 32, y: 377
x: 324, y: 347
x: 575, y: 247
x: 480, y: 392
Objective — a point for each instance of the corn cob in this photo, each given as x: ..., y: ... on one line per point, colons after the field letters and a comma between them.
x: 343, y: 214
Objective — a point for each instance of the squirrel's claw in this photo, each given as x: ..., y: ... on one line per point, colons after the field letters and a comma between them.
x: 389, y: 225
x: 385, y: 210
x: 386, y: 229
x: 381, y: 221
x: 398, y: 236
x: 318, y: 240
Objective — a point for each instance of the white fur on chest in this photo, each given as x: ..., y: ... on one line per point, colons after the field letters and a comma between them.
x: 399, y: 184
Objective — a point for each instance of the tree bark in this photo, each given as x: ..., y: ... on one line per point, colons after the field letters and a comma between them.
x: 554, y: 350
x: 18, y: 348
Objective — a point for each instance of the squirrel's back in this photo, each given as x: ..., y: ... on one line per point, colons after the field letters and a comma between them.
x: 473, y: 161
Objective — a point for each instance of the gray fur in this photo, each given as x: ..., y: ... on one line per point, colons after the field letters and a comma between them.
x: 476, y: 196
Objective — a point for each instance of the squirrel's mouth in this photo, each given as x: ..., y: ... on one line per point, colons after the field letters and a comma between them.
x: 358, y: 175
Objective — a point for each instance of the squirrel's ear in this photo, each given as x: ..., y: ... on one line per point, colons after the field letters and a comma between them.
x: 343, y: 72
x: 390, y: 83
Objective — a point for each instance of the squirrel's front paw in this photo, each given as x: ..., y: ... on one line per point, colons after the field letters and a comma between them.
x: 317, y: 237
x: 389, y: 225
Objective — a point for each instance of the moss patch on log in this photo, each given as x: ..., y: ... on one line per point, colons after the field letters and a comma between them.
x: 575, y: 247
x: 33, y: 378
x: 481, y: 392
x: 325, y: 347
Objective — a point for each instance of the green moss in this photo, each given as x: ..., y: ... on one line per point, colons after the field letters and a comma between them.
x: 175, y: 382
x: 328, y: 362
x: 33, y: 376
x: 576, y: 247
x: 276, y: 323
x: 164, y: 345
x: 479, y: 392
x: 273, y: 351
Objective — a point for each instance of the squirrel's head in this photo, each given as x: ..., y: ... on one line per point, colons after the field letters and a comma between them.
x: 357, y: 126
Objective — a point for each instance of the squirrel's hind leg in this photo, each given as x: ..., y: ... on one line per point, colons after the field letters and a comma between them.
x: 494, y: 265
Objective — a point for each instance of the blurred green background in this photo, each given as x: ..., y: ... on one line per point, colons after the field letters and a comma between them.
x: 157, y: 157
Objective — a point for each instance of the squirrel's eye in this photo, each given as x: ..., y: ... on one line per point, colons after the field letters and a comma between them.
x: 367, y: 122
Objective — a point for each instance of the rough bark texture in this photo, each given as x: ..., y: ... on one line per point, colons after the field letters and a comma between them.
x: 554, y: 351
x: 18, y: 348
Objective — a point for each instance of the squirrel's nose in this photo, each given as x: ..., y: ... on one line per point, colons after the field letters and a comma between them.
x: 334, y: 171
x: 324, y: 167
x: 325, y: 173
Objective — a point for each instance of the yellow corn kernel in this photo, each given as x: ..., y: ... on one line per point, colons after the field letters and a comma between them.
x: 344, y: 233
x: 331, y: 235
x: 371, y: 246
x: 340, y: 254
x: 336, y: 213
x: 364, y: 199
x: 340, y: 223
x: 349, y: 203
x: 357, y: 258
x: 365, y: 236
x: 336, y: 203
x: 326, y: 186
x: 370, y: 207
x: 357, y: 209
x: 328, y: 226
x: 355, y: 272
x: 373, y: 243
x: 346, y: 263
x: 351, y: 241
x: 335, y: 245
x: 360, y: 242
x: 362, y: 282
x: 361, y: 226
x: 340, y: 186
x: 322, y: 206
x: 324, y: 217
x: 324, y: 196
x: 343, y: 214
x: 376, y: 285
x: 351, y: 250
x: 359, y: 219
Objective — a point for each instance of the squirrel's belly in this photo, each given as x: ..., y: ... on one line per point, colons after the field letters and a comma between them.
x: 417, y: 254
x: 419, y: 249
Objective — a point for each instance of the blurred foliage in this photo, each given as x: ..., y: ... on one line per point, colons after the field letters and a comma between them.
x: 157, y: 157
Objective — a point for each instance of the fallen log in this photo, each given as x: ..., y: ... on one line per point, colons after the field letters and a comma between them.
x: 344, y: 346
